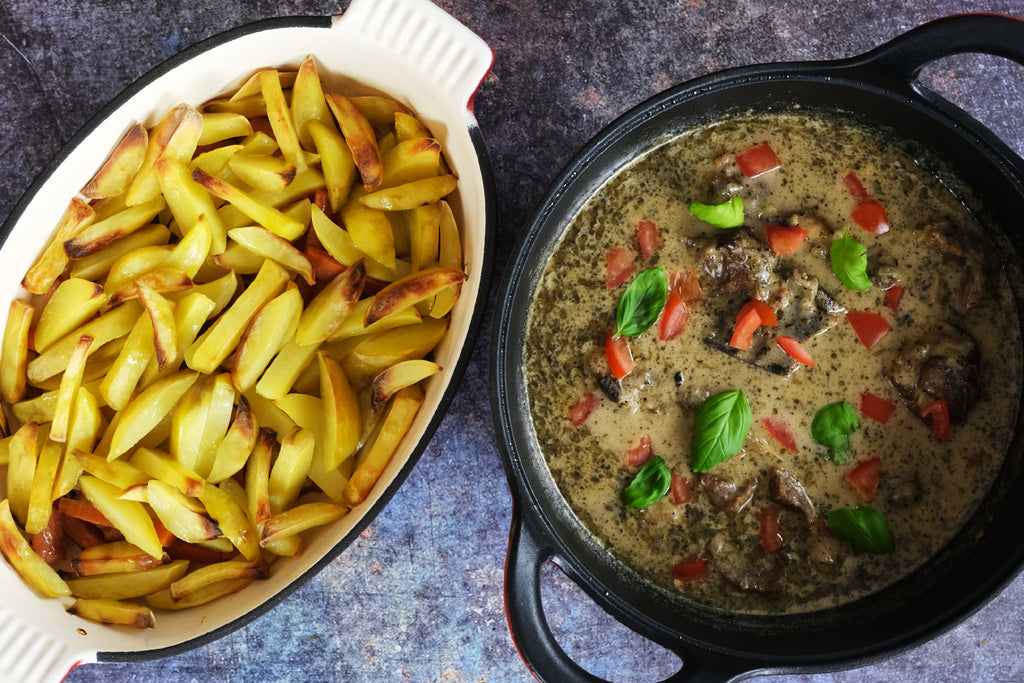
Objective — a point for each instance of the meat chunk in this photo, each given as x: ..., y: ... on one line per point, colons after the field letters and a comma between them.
x: 745, y: 570
x: 942, y: 364
x: 724, y: 494
x: 784, y: 488
x: 742, y: 268
x: 967, y: 259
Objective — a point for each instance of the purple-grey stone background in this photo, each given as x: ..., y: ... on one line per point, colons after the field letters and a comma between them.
x: 419, y: 596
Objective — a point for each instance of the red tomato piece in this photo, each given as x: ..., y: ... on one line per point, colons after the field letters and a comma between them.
x: 869, y: 327
x: 764, y: 314
x: 893, y: 296
x: 864, y: 478
x: 620, y: 266
x: 680, y: 489
x: 872, y: 217
x: 686, y: 286
x: 619, y: 355
x: 744, y: 332
x: 581, y: 410
x: 779, y: 430
x: 937, y: 412
x: 673, y: 318
x: 795, y: 350
x: 689, y: 570
x: 855, y: 187
x: 757, y: 160
x: 647, y: 234
x: 785, y: 239
x: 768, y: 526
x: 640, y: 453
x: 877, y: 408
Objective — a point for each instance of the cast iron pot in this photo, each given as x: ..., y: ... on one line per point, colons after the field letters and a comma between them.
x: 880, y: 90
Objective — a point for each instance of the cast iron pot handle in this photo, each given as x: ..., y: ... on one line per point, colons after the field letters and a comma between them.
x: 905, y: 55
x: 527, y: 553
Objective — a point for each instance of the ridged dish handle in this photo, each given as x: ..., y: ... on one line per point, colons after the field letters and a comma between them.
x: 433, y: 41
x: 528, y: 551
x: 905, y: 56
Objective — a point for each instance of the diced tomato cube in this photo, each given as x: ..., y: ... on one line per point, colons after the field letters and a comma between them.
x: 855, y: 187
x: 745, y: 328
x: 785, y: 239
x: 872, y: 217
x: 647, y: 234
x: 757, y: 160
x: 680, y: 489
x: 765, y: 315
x: 689, y: 570
x: 641, y: 453
x: 581, y: 410
x: 869, y: 327
x: 877, y: 408
x: 893, y: 296
x: 619, y: 356
x: 795, y: 350
x: 937, y: 412
x: 620, y: 265
x: 779, y: 430
x: 864, y: 478
x: 768, y: 527
x: 673, y: 318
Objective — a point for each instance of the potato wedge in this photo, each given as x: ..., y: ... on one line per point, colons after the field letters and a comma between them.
x: 290, y: 469
x: 280, y: 117
x: 335, y: 160
x: 102, y: 234
x: 23, y: 452
x: 375, y: 456
x: 215, y: 573
x: 128, y: 517
x: 397, y: 377
x: 147, y: 409
x: 411, y: 160
x: 200, y: 596
x: 412, y: 194
x: 52, y: 260
x: 331, y: 305
x: 360, y: 137
x: 219, y: 126
x: 234, y: 449
x: 250, y: 205
x: 72, y: 303
x: 214, y: 345
x: 116, y: 173
x: 103, y: 329
x: 232, y: 520
x: 290, y: 362
x: 161, y: 466
x: 410, y: 290
x: 298, y: 519
x: 174, y: 137
x: 262, y: 171
x: 343, y: 423
x: 272, y: 327
x: 14, y: 356
x: 25, y: 561
x: 41, y: 498
x: 269, y: 245
x: 117, y: 473
x: 308, y: 103
x: 132, y: 583
x: 70, y: 382
x: 177, y: 515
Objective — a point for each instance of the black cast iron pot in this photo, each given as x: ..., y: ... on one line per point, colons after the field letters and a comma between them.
x: 878, y: 89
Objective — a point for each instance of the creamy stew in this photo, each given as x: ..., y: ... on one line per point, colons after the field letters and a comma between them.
x: 879, y: 370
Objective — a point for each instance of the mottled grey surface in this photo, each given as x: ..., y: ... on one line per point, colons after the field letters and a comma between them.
x: 419, y: 596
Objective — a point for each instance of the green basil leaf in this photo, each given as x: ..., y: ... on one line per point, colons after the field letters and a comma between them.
x: 641, y: 303
x: 649, y: 485
x: 850, y: 263
x: 832, y: 426
x: 727, y: 215
x: 720, y: 429
x: 864, y: 528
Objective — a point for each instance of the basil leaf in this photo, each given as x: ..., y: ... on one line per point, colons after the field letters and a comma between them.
x: 850, y: 263
x: 641, y: 303
x: 727, y: 215
x: 864, y: 528
x: 649, y: 485
x: 720, y: 429
x: 832, y: 426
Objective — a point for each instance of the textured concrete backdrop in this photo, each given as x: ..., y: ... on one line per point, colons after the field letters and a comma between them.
x: 419, y: 596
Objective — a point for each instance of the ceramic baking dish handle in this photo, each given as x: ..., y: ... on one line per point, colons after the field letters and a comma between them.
x: 431, y: 40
